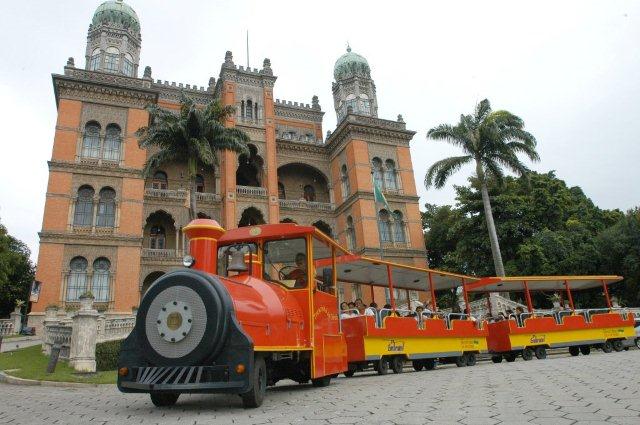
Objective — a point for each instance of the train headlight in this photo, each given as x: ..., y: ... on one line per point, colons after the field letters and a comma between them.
x: 188, y: 261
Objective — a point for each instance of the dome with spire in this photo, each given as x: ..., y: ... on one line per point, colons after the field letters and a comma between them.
x: 116, y: 12
x: 351, y: 64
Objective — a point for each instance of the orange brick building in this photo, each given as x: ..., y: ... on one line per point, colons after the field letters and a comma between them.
x: 108, y: 230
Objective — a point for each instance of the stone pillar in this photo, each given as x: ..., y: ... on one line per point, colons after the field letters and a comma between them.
x: 82, y: 355
x: 16, y: 318
x: 50, y: 319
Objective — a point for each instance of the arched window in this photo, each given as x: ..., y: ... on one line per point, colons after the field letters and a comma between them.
x: 255, y: 111
x: 157, y: 237
x: 127, y: 65
x: 159, y: 180
x: 199, y: 183
x: 112, y: 141
x: 344, y: 176
x: 77, y: 281
x: 100, y: 282
x: 94, y: 61
x: 281, y: 193
x: 83, y: 215
x: 248, y: 110
x: 309, y: 193
x: 351, y: 234
x: 91, y: 140
x: 385, y: 226
x: 111, y: 59
x: 398, y: 227
x: 390, y: 181
x: 106, y: 216
x: 376, y: 165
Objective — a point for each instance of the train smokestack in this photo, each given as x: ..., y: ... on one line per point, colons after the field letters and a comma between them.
x: 203, y: 237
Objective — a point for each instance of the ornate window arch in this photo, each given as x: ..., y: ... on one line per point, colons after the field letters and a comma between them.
x: 106, y: 216
x: 83, y: 214
x: 384, y: 222
x: 390, y: 179
x: 112, y: 143
x: 100, y: 281
x: 112, y: 60
x: 351, y: 234
x: 94, y: 61
x: 248, y: 109
x: 376, y: 167
x: 77, y: 279
x: 346, y: 186
x: 160, y: 180
x: 91, y: 140
x: 398, y: 227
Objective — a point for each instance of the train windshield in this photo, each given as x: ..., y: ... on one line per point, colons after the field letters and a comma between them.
x: 285, y: 262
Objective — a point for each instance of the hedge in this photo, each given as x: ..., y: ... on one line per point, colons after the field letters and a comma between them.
x: 107, y: 355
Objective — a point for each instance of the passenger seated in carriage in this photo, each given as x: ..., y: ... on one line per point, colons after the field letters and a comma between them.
x: 372, y: 310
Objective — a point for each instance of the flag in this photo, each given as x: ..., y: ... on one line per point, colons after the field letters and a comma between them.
x: 378, y: 196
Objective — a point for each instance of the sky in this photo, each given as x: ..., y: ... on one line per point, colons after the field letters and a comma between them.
x: 570, y: 69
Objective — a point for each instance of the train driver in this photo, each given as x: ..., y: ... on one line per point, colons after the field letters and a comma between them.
x: 299, y: 274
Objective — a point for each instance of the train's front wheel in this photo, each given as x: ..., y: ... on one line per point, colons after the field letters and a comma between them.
x: 256, y: 394
x: 164, y: 399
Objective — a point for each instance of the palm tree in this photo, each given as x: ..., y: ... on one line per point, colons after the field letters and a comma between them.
x: 491, y: 139
x: 193, y: 136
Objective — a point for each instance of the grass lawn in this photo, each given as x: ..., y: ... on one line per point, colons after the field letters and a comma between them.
x: 32, y: 364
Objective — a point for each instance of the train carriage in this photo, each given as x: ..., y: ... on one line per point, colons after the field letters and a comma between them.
x: 386, y: 339
x: 531, y: 333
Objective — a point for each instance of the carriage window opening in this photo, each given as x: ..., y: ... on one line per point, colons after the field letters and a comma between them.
x: 285, y: 262
x: 322, y: 263
x: 224, y: 257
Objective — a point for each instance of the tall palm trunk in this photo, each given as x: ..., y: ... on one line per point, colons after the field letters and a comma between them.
x: 488, y: 214
x: 192, y: 200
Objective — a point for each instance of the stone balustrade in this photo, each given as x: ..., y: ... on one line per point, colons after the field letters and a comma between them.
x: 305, y: 205
x: 251, y: 191
x: 208, y: 197
x: 160, y: 253
x: 179, y: 194
x: 6, y: 327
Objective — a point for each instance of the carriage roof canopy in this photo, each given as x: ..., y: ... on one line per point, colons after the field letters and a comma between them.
x: 541, y: 283
x: 370, y: 271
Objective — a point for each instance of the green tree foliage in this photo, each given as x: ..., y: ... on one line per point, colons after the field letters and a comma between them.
x: 545, y: 228
x: 193, y: 136
x: 16, y: 272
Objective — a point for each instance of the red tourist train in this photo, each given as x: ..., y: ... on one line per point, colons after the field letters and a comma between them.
x: 258, y: 304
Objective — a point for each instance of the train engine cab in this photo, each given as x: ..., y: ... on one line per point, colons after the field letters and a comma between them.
x: 248, y: 310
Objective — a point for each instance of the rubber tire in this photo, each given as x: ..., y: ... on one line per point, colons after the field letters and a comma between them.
x: 429, y: 364
x: 164, y: 399
x: 574, y: 350
x: 585, y: 350
x: 510, y: 358
x: 472, y: 359
x: 321, y: 382
x: 397, y: 364
x: 638, y: 343
x: 607, y: 347
x: 540, y: 352
x: 527, y: 354
x: 617, y: 345
x: 383, y: 366
x: 255, y: 396
x: 418, y: 365
x: 461, y: 361
x: 349, y: 373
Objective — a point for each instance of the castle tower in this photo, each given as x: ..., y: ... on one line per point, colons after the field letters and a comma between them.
x: 353, y: 89
x: 113, y: 40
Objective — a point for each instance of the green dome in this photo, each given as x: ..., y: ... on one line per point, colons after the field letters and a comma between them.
x: 351, y: 64
x: 117, y: 12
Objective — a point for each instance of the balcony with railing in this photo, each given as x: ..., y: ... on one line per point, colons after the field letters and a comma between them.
x: 251, y: 191
x: 168, y: 194
x: 302, y: 204
x: 162, y: 254
x: 208, y: 197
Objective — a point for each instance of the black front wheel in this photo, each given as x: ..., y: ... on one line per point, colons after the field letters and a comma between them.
x: 541, y: 353
x: 585, y: 350
x: 164, y: 399
x: 397, y: 364
x: 527, y: 354
x: 461, y: 361
x: 321, y: 382
x: 574, y: 350
x: 472, y: 359
x: 383, y: 366
x: 607, y: 347
x: 617, y: 345
x: 254, y: 397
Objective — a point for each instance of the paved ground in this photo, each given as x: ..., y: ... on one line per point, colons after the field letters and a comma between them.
x: 600, y: 388
x: 21, y: 342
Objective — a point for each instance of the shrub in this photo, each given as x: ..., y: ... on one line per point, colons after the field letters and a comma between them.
x: 107, y: 354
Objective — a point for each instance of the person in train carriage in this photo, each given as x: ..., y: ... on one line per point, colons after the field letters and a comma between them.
x: 519, y: 312
x: 419, y: 313
x: 299, y: 274
x: 360, y: 305
x: 371, y: 310
x: 344, y: 310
